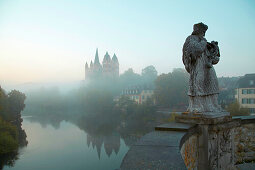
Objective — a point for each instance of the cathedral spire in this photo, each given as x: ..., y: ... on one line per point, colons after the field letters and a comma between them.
x: 86, y: 65
x: 91, y: 64
x: 114, y: 58
x: 96, y: 61
x: 107, y: 57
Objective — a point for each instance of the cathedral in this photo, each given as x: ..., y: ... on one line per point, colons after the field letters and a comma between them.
x: 109, y: 68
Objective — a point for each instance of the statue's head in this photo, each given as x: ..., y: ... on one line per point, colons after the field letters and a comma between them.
x: 199, y: 29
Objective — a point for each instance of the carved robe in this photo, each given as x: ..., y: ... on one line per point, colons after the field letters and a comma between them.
x: 203, y: 83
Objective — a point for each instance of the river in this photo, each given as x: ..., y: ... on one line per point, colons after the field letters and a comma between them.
x: 64, y: 146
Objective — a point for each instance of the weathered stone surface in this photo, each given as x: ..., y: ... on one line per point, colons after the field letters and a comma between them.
x: 199, y: 56
x: 246, y: 166
x: 189, y: 151
x: 174, y: 126
x: 244, y: 139
x: 201, y: 119
x: 156, y: 150
x: 220, y: 146
x: 204, y: 146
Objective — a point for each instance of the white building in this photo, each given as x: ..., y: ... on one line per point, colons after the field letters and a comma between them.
x: 245, y: 93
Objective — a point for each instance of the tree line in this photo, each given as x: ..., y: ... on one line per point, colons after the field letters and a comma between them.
x: 11, y: 134
x: 97, y: 95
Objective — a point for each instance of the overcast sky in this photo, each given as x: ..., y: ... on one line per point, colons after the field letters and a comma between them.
x: 50, y: 40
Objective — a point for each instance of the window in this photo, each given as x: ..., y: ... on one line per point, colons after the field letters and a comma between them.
x: 136, y: 97
x: 142, y: 96
x: 251, y: 101
x: 251, y: 82
x: 244, y: 101
x: 252, y: 110
x: 251, y: 91
x: 244, y: 91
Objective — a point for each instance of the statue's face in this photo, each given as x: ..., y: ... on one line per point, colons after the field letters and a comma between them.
x: 203, y: 32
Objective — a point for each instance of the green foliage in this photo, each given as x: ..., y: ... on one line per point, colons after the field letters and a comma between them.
x: 171, y: 88
x: 16, y: 101
x: 149, y: 75
x: 129, y: 78
x: 126, y: 105
x: 235, y: 110
x: 97, y: 100
x: 136, y: 116
x: 8, y: 137
x: 11, y: 105
x: 3, y: 103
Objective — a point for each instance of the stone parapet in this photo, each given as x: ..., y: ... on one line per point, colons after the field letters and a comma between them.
x: 206, y: 144
x: 221, y: 145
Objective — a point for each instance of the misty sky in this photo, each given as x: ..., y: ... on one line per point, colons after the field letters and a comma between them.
x: 50, y: 40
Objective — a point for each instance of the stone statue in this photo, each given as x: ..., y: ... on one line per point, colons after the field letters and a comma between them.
x: 199, y: 56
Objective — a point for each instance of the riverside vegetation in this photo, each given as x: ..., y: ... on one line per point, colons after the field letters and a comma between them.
x: 11, y: 134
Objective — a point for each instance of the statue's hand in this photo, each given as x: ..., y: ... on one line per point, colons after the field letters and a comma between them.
x: 214, y: 42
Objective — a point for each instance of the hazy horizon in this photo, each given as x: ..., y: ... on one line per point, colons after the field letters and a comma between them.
x: 50, y: 41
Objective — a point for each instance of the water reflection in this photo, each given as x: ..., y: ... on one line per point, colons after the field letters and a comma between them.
x: 111, y: 143
x: 76, y: 142
x: 100, y: 133
x: 8, y: 159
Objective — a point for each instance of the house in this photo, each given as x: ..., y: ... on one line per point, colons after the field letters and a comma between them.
x: 245, y: 93
x: 139, y: 94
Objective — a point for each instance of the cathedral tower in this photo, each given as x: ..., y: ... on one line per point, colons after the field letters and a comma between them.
x: 97, y: 68
x: 86, y: 71
x: 115, y: 66
x: 109, y: 67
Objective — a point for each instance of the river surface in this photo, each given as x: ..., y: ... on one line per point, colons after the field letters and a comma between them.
x: 64, y: 146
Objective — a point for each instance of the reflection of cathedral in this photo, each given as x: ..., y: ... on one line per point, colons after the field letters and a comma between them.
x: 109, y: 67
x: 111, y: 143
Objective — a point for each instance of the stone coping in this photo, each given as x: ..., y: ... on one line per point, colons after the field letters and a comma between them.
x: 245, y: 119
x: 174, y: 126
x: 194, y: 119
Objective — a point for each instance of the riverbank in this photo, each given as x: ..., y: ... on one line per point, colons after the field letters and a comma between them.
x: 12, y: 136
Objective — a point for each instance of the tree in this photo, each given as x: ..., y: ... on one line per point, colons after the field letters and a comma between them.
x: 129, y: 78
x: 149, y: 74
x: 3, y: 103
x: 235, y: 110
x: 97, y: 101
x: 126, y: 105
x: 171, y: 89
x: 16, y: 101
x: 8, y: 137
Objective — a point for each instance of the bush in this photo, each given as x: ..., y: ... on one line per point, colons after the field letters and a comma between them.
x: 235, y: 110
x: 8, y: 137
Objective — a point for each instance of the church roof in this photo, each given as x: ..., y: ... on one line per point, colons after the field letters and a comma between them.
x: 107, y: 57
x: 91, y: 64
x: 115, y: 59
x: 247, y: 81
